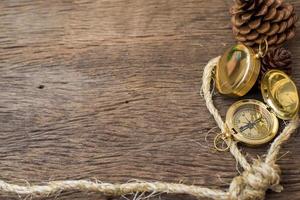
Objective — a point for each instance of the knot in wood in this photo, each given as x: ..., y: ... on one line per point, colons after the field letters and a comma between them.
x: 252, y: 184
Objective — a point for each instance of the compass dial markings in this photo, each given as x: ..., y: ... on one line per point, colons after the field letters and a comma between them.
x: 251, y: 123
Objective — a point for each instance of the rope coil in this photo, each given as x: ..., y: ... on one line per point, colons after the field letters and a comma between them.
x: 253, y: 183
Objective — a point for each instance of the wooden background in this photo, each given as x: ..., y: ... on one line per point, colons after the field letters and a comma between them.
x: 109, y: 89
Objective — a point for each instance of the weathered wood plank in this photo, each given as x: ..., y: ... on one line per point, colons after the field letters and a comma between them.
x: 110, y: 90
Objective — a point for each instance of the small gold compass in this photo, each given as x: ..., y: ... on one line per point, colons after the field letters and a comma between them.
x: 251, y: 122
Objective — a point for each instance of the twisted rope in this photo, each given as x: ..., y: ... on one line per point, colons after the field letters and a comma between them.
x: 256, y: 178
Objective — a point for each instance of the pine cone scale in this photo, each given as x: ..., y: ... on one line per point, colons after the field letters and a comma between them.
x: 272, y: 40
x: 244, y: 30
x: 281, y: 38
x: 259, y: 40
x: 292, y: 20
x: 255, y: 23
x: 273, y: 30
x: 271, y: 14
x: 289, y: 9
x: 253, y: 35
x: 269, y: 3
x: 291, y: 34
x: 241, y: 38
x: 277, y: 4
x: 264, y: 28
x: 237, y: 21
x: 283, y: 27
x: 263, y: 11
x: 246, y: 16
x: 279, y: 16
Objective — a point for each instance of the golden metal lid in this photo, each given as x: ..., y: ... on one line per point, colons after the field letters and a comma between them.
x: 281, y: 94
x: 237, y: 71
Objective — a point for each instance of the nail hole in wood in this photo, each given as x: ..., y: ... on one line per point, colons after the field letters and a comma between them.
x: 41, y: 87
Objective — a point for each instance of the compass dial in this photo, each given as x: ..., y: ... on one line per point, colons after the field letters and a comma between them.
x: 251, y: 122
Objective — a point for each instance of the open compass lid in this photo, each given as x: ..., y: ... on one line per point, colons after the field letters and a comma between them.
x: 280, y: 93
x: 237, y: 71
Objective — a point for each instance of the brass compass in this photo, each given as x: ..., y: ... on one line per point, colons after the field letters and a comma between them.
x: 251, y: 121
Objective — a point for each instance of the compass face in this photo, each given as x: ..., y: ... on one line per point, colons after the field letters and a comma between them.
x: 251, y: 122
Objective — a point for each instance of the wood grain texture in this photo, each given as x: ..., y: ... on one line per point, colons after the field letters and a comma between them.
x: 109, y: 89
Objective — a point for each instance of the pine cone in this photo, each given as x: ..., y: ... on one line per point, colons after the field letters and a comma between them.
x: 279, y: 58
x: 256, y: 20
